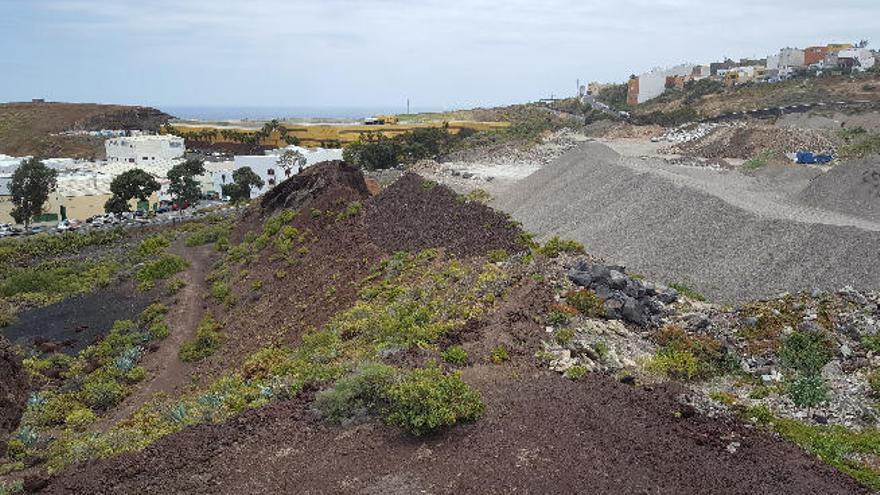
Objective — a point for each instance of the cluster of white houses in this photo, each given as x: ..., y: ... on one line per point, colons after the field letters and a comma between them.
x: 84, y: 186
x: 787, y: 63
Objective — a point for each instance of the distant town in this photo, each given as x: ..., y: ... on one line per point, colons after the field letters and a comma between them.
x: 788, y: 63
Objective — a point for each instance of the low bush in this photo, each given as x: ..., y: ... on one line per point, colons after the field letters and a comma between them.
x: 499, y: 355
x: 808, y: 390
x: 556, y: 246
x: 874, y: 383
x: 161, y: 268
x: 356, y: 394
x: 586, y: 302
x: 576, y: 372
x: 223, y: 293
x: 498, y: 255
x: 565, y: 336
x: 455, y: 355
x: 152, y: 246
x: 806, y: 352
x: 206, y: 343
x: 676, y: 364
x: 175, y: 285
x: 425, y: 400
x: 687, y: 291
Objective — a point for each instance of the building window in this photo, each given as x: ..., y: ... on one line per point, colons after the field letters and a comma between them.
x: 271, y: 182
x: 271, y: 171
x: 223, y: 178
x: 287, y: 172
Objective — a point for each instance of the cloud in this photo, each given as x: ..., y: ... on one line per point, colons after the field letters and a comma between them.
x: 381, y: 51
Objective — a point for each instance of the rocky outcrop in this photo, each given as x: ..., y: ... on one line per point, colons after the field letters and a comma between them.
x: 624, y: 297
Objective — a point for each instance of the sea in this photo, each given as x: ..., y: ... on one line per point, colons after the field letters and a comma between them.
x: 223, y: 113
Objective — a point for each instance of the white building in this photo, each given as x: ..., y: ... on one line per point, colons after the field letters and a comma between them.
x: 858, y: 58
x: 268, y: 167
x: 144, y: 150
x: 653, y: 84
x: 786, y: 58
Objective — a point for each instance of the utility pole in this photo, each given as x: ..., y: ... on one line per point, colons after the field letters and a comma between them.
x: 577, y: 88
x: 407, y: 106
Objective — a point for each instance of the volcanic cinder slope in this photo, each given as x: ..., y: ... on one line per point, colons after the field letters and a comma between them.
x: 540, y: 431
x: 720, y: 233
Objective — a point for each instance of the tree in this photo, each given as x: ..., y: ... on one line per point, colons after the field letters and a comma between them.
x: 130, y: 184
x: 290, y: 159
x: 373, y: 152
x: 184, y: 188
x: 31, y: 183
x: 243, y: 181
x: 115, y: 205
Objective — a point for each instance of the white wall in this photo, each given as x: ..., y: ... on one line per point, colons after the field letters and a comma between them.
x: 262, y: 165
x: 652, y: 84
x: 144, y: 150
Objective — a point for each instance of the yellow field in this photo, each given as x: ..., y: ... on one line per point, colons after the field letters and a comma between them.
x: 330, y: 134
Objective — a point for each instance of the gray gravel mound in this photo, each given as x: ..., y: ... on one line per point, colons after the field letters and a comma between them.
x: 668, y: 230
x: 851, y: 187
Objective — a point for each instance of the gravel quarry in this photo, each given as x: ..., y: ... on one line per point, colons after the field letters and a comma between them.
x: 726, y: 234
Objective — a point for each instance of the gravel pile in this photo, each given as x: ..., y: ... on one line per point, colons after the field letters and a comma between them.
x: 852, y: 188
x: 748, y: 141
x: 552, y: 147
x: 671, y: 231
x: 413, y: 214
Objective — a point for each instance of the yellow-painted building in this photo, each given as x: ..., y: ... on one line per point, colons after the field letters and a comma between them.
x: 58, y: 207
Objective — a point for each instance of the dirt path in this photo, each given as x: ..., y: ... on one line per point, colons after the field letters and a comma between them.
x: 166, y: 372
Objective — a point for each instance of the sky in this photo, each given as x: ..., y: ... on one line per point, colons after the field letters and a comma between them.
x: 369, y: 53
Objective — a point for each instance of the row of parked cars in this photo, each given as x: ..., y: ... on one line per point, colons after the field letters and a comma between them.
x: 162, y: 215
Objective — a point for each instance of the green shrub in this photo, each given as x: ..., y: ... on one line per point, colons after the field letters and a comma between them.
x: 208, y: 233
x: 676, y: 364
x: 576, y: 372
x: 175, y: 285
x: 55, y: 280
x: 759, y: 161
x: 688, y: 292
x: 160, y: 269
x: 101, y: 392
x: 498, y: 255
x: 565, y: 336
x: 499, y: 355
x: 805, y: 352
x: 152, y: 246
x: 223, y: 293
x: 7, y: 314
x: 357, y: 393
x: 159, y: 330
x: 153, y: 313
x: 80, y: 419
x: 869, y: 343
x: 874, y: 383
x: 808, y: 391
x: 556, y: 246
x: 455, y: 355
x: 425, y: 400
x: 206, y: 343
x: 587, y: 302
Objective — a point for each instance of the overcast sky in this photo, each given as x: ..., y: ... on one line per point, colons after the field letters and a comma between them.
x: 440, y: 54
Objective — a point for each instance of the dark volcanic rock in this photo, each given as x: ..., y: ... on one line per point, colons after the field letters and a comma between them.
x: 625, y: 298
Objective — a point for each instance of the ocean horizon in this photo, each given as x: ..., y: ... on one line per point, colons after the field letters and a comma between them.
x: 219, y: 113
